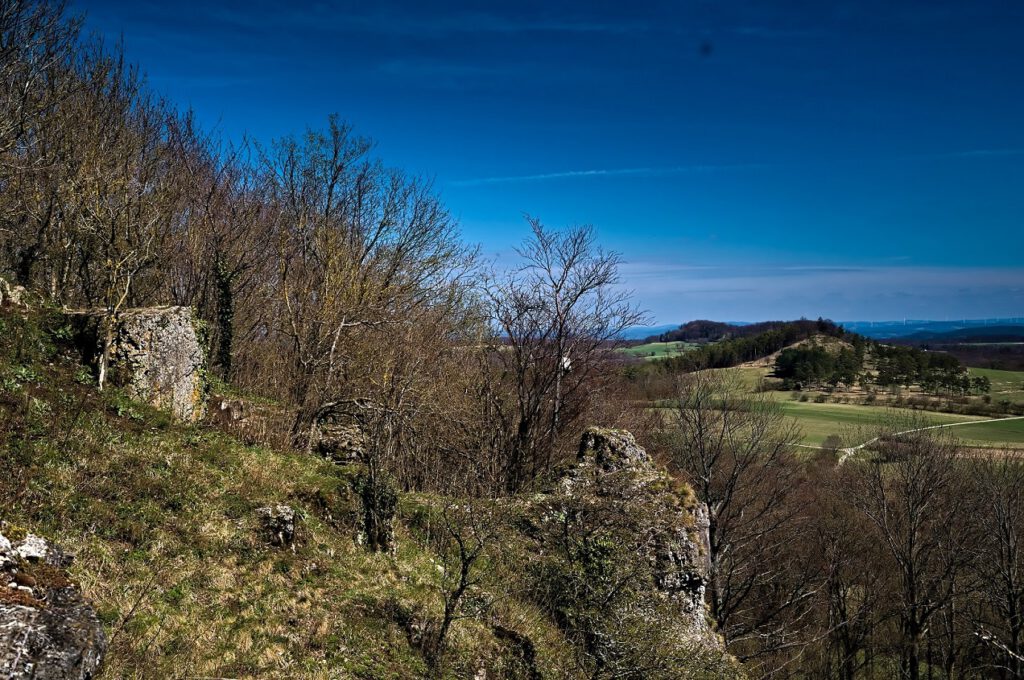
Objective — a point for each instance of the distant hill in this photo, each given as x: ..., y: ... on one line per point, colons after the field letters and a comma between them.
x: 703, y: 330
x: 693, y: 331
x: 983, y: 334
x: 736, y: 344
x: 911, y: 327
x: 643, y: 332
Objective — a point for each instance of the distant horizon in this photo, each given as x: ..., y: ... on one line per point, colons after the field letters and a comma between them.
x: 1013, y: 320
x: 634, y: 331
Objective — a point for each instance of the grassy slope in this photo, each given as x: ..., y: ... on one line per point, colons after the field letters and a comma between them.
x: 162, y: 520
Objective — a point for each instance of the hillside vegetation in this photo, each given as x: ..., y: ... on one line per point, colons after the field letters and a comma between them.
x: 416, y: 464
x: 162, y: 518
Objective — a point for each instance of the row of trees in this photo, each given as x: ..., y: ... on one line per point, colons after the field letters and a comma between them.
x: 902, y: 561
x: 328, y: 282
x: 896, y: 366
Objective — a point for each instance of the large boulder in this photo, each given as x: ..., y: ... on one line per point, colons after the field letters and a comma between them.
x: 157, y: 355
x: 47, y: 631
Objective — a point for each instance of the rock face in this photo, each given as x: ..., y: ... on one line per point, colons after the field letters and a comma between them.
x: 613, y: 450
x: 341, y: 443
x: 15, y: 296
x: 47, y: 631
x: 157, y: 356
x: 667, y: 527
x: 278, y: 524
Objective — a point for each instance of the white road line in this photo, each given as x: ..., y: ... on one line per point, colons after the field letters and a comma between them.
x: 847, y: 452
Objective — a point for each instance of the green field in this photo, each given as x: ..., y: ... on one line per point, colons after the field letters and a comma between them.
x: 852, y: 422
x: 658, y: 350
x: 995, y: 434
x: 1005, y: 384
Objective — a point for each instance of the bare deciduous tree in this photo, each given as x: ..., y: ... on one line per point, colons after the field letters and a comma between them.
x: 735, y: 449
x: 467, y: 532
x: 912, y: 492
x: 558, y: 317
x: 358, y: 247
x: 999, y: 487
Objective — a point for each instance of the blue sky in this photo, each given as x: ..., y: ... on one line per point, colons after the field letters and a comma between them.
x: 749, y: 159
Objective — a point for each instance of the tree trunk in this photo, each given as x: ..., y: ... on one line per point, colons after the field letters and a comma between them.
x: 913, y: 655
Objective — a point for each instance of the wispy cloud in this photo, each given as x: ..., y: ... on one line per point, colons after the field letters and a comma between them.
x: 840, y: 292
x: 611, y: 172
x: 655, y: 171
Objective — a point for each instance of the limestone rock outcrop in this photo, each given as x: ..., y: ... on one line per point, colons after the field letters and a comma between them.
x: 12, y: 295
x: 664, y: 524
x: 157, y: 356
x: 341, y: 443
x: 47, y: 631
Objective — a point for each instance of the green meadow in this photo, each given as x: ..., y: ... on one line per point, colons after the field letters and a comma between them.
x: 853, y: 423
x: 657, y: 350
x: 1005, y: 384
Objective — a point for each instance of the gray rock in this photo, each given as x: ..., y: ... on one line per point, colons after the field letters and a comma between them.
x: 157, y: 356
x: 611, y: 450
x: 15, y: 296
x: 278, y: 524
x: 616, y: 473
x: 228, y: 411
x: 47, y: 631
x: 341, y: 443
x: 32, y: 549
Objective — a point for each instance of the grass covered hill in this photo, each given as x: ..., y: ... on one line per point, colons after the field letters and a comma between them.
x: 163, y: 520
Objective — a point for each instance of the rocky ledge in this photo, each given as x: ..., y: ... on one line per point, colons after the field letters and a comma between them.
x: 656, y: 516
x: 47, y: 631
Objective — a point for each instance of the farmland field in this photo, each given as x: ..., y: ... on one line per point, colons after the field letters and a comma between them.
x: 818, y: 421
x: 856, y: 422
x: 1005, y: 384
x: 658, y: 350
x: 997, y: 434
